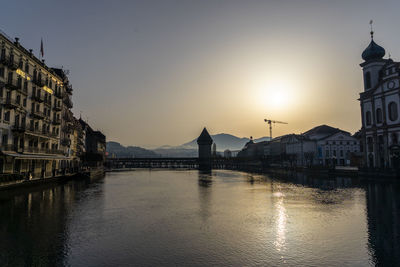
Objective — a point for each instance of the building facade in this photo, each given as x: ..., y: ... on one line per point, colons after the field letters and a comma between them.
x: 380, y: 101
x: 322, y: 145
x: 35, y: 101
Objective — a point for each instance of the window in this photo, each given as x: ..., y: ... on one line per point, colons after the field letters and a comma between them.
x: 393, y: 111
x: 341, y: 153
x: 7, y: 116
x: 27, y: 67
x: 368, y: 117
x: 379, y: 115
x: 4, y: 140
x: 3, y: 54
x: 10, y: 77
x: 24, y: 102
x: 2, y: 72
x: 327, y: 153
x: 367, y: 80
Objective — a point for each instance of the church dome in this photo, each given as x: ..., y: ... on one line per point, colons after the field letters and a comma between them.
x: 373, y: 51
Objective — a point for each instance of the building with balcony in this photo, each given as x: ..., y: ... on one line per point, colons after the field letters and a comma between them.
x: 35, y: 105
x: 95, y: 146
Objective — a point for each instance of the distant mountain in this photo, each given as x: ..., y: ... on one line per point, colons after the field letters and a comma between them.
x: 225, y: 141
x: 120, y: 151
x: 187, y: 150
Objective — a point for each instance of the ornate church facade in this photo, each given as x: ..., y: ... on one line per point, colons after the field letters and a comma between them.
x: 380, y: 102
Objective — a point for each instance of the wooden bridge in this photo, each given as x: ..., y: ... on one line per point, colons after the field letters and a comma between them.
x: 186, y: 163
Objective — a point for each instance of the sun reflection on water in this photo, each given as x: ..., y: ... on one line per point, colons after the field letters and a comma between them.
x: 281, y: 218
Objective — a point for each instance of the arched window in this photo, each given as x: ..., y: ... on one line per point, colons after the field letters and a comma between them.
x: 393, y: 114
x: 379, y: 115
x: 367, y: 80
x: 368, y: 117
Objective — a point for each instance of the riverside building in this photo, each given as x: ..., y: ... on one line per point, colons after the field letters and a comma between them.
x: 380, y: 103
x: 35, y: 114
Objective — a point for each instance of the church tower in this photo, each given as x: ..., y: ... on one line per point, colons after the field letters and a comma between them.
x: 380, y: 101
x: 373, y: 62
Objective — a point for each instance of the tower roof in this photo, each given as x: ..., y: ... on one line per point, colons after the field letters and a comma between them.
x: 204, y: 137
x: 373, y: 51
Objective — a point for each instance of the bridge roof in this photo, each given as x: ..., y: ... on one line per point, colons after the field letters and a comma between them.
x: 204, y: 136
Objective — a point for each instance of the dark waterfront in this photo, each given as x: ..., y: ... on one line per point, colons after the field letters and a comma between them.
x: 176, y: 218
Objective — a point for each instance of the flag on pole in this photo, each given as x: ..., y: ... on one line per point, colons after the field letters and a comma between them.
x: 41, y: 47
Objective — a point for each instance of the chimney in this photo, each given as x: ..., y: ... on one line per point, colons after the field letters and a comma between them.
x: 43, y: 61
x: 16, y: 40
x: 30, y: 52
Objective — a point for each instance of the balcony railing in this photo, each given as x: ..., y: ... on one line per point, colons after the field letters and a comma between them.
x: 10, y: 102
x: 22, y: 90
x: 12, y: 64
x: 58, y: 94
x: 37, y: 150
x: 57, y: 108
x: 38, y: 114
x: 38, y: 82
x: 47, y: 102
x: 56, y: 121
x: 37, y: 98
x: 19, y: 127
x: 8, y: 147
x: 53, y: 134
x: 11, y: 84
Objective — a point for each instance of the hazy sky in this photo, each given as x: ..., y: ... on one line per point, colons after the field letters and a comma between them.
x: 151, y: 73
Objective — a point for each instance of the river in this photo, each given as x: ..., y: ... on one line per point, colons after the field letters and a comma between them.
x: 186, y: 218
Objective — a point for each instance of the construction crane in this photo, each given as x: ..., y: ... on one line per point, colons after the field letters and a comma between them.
x: 270, y: 125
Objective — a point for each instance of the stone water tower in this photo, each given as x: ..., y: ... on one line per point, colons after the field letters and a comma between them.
x: 204, y: 141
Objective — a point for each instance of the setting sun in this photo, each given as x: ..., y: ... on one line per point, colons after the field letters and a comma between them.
x: 277, y: 95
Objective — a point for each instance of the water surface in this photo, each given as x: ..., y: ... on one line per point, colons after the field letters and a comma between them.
x: 185, y: 218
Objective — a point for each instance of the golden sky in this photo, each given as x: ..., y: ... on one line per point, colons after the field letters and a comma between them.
x: 150, y: 73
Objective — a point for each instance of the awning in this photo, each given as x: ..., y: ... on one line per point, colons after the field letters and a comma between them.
x: 35, y: 156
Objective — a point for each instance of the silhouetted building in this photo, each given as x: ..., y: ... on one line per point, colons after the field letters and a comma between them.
x: 380, y: 108
x: 321, y: 145
x: 204, y: 141
x: 95, y: 146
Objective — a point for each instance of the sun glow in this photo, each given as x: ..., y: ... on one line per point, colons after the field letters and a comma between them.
x: 277, y: 94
